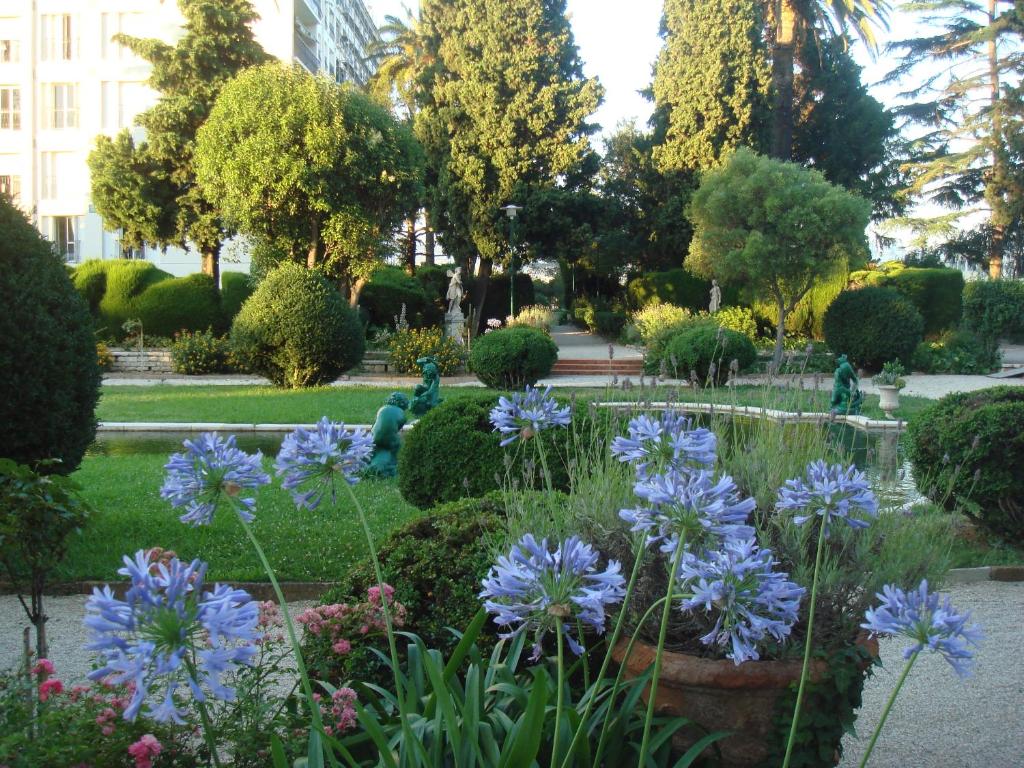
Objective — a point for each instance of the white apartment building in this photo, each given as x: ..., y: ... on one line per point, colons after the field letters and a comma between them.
x: 64, y: 81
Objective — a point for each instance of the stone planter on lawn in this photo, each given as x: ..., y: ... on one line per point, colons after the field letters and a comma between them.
x: 888, y: 399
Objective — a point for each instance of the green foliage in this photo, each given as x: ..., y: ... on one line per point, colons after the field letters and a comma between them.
x: 125, y: 282
x: 775, y: 227
x: 711, y: 82
x: 336, y: 171
x: 435, y: 564
x: 956, y: 352
x: 739, y: 319
x: 808, y: 317
x: 675, y: 286
x: 655, y: 317
x: 512, y: 358
x: 201, y: 352
x: 534, y: 316
x: 937, y: 292
x: 187, y: 303
x: 703, y: 345
x: 966, y: 452
x: 51, y: 380
x: 389, y: 288
x: 496, y: 305
x: 994, y: 309
x: 235, y: 288
x: 296, y: 329
x: 891, y: 375
x: 406, y: 347
x: 149, y: 190
x: 872, y: 326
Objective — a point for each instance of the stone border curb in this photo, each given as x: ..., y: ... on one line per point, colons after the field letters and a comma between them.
x: 809, y: 417
x: 187, y: 426
x: 985, y: 573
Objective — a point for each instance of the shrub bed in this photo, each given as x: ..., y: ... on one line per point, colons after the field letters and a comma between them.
x: 189, y: 303
x: 389, y: 288
x: 956, y: 352
x: 967, y: 450
x: 406, y: 347
x: 873, y: 326
x: 512, y: 358
x: 297, y: 330
x: 708, y: 349
x: 937, y: 292
x: 995, y: 309
x: 200, y: 352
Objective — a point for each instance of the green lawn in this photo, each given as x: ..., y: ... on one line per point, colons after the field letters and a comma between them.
x: 301, y: 545
x: 249, y: 405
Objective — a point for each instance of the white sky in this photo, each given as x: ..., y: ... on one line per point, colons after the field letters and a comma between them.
x: 618, y: 42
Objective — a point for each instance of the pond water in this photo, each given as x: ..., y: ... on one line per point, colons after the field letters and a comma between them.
x: 879, y: 454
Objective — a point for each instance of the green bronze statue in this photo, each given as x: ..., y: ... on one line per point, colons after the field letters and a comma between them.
x: 386, y: 440
x: 427, y: 394
x: 846, y: 394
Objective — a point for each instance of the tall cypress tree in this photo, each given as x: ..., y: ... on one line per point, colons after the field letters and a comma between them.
x: 162, y: 204
x: 505, y: 109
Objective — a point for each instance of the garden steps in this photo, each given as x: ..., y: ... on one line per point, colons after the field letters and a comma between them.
x: 569, y: 367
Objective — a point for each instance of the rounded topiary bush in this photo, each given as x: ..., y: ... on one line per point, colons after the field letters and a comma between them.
x: 297, y: 330
x: 511, y: 358
x: 967, y: 451
x: 873, y: 326
x: 702, y: 346
x: 435, y: 564
x: 51, y: 377
x: 126, y: 282
x: 235, y: 288
x: 189, y: 303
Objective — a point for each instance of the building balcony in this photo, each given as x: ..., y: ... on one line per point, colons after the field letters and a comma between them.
x: 308, y: 11
x: 306, y: 56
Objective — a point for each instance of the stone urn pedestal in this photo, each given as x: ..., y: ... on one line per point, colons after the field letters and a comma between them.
x: 455, y: 325
x: 888, y: 399
x: 720, y: 696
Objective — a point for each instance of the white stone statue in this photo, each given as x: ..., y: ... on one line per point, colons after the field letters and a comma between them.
x: 455, y: 291
x: 716, y: 297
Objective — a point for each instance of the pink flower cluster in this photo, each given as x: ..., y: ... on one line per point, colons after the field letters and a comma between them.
x: 340, y: 623
x: 342, y: 711
x: 270, y: 622
x: 48, y: 686
x: 144, y: 750
x: 114, y: 700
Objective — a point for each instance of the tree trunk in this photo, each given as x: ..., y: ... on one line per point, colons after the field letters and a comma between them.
x: 428, y: 237
x: 211, y: 263
x: 313, y: 255
x: 39, y: 619
x: 410, y: 245
x: 996, y: 182
x: 355, y: 291
x: 780, y: 336
x: 782, y: 81
x: 483, y: 279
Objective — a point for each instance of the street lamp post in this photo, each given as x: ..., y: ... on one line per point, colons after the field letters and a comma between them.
x: 511, y: 210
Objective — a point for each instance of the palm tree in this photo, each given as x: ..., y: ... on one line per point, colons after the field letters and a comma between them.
x: 794, y: 18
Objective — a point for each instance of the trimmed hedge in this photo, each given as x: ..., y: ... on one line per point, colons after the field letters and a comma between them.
x: 967, y: 451
x: 48, y: 354
x: 512, y: 358
x: 189, y: 303
x: 702, y: 344
x: 937, y: 292
x: 873, y: 326
x: 435, y: 564
x: 235, y: 288
x: 675, y: 286
x: 297, y: 330
x: 389, y: 288
x: 994, y: 309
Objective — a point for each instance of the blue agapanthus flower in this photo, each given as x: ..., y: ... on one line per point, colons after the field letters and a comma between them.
x: 211, y: 469
x: 532, y: 587
x: 929, y: 623
x: 311, y: 460
x: 669, y: 442
x: 692, y: 506
x: 169, y: 634
x: 830, y: 491
x: 526, y: 413
x: 740, y: 589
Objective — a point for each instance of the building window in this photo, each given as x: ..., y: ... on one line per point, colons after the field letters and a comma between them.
x: 118, y: 24
x: 10, y: 187
x: 9, y: 51
x: 59, y: 37
x: 10, y: 108
x: 64, y: 233
x: 60, y: 105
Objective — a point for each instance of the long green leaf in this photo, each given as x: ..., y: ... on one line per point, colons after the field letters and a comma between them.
x: 525, y: 745
x: 277, y: 752
x: 695, y: 751
x: 373, y: 729
x: 465, y: 644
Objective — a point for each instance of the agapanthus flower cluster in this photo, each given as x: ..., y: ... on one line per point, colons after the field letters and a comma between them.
x: 526, y: 413
x: 311, y: 460
x: 340, y: 715
x: 928, y: 622
x: 145, y: 751
x: 738, y: 586
x: 168, y: 632
x: 690, y: 506
x: 667, y: 443
x: 534, y: 588
x: 830, y: 492
x: 211, y: 469
x: 341, y: 625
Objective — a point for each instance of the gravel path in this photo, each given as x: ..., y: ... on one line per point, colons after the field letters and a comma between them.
x: 939, y: 721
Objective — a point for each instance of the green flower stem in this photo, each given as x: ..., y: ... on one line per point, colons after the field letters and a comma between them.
x: 662, y: 633
x: 204, y: 716
x: 888, y: 706
x: 560, y: 696
x: 619, y: 623
x: 548, y: 482
x: 807, y: 645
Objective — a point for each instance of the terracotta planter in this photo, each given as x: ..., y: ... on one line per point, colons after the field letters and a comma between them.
x: 721, y: 696
x: 888, y: 399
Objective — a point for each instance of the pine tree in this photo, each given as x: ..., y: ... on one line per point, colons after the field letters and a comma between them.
x: 149, y: 190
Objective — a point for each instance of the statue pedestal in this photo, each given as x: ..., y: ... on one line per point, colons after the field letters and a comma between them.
x: 455, y: 325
